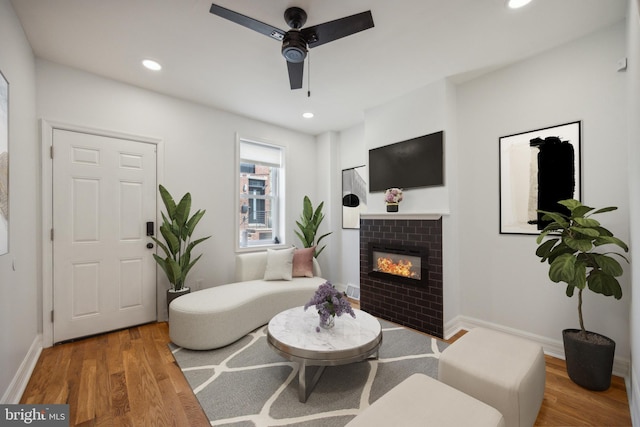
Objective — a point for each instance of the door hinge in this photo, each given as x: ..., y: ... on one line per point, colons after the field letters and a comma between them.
x: 51, y: 316
x: 51, y: 151
x: 52, y: 234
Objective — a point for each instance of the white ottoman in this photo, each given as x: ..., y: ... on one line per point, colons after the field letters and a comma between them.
x: 422, y: 401
x: 501, y: 370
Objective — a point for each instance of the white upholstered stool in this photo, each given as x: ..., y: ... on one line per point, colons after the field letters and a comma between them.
x: 501, y: 370
x: 423, y: 401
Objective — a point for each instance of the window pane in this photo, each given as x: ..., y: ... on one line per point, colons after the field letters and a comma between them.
x: 247, y: 168
x: 259, y: 199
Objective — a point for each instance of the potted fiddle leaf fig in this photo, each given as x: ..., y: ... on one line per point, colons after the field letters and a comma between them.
x: 309, y: 223
x: 176, y: 229
x: 572, y: 243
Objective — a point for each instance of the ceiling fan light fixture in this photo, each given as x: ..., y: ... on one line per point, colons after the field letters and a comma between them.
x: 294, y: 47
x: 152, y: 65
x: 516, y: 4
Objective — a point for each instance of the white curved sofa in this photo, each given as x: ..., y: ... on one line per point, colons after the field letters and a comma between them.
x: 215, y: 317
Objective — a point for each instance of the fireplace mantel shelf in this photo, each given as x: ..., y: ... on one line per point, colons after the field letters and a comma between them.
x: 403, y: 215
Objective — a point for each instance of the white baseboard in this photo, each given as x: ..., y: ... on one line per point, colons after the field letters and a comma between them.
x: 21, y: 378
x: 551, y: 347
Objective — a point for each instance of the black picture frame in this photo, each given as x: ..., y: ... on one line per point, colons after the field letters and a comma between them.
x: 537, y: 169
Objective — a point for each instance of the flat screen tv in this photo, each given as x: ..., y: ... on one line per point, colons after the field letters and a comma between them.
x: 416, y: 162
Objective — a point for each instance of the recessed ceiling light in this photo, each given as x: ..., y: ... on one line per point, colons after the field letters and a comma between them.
x: 515, y: 4
x: 307, y: 115
x: 152, y: 65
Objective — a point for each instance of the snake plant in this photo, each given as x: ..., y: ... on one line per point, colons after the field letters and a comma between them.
x: 309, y: 223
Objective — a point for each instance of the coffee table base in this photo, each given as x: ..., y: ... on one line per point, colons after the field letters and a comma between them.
x: 305, y: 390
x: 304, y: 373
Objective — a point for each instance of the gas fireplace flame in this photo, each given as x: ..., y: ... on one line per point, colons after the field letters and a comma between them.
x: 400, y: 268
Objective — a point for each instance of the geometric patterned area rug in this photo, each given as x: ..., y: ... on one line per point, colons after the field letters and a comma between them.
x: 247, y: 384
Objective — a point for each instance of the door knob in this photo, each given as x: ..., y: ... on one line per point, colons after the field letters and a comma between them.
x: 149, y: 245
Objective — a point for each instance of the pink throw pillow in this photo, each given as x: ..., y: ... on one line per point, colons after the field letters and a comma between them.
x: 303, y: 262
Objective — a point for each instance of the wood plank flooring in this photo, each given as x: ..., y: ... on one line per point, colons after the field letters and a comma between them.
x: 130, y: 378
x: 124, y: 378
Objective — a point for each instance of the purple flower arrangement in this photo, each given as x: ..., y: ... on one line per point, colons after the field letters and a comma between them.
x: 330, y: 302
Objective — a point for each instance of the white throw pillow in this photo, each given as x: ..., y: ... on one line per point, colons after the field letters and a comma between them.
x: 279, y: 264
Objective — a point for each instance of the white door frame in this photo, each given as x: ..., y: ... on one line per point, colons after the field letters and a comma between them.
x: 46, y: 142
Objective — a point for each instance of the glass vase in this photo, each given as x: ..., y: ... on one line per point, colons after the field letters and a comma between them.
x: 329, y: 323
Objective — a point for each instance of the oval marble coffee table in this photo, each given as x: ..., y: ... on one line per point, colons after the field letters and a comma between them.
x: 293, y: 335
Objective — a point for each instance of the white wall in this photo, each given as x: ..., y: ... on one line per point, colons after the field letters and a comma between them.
x: 421, y: 112
x: 451, y: 271
x: 19, y: 277
x: 633, y: 80
x: 352, y: 154
x: 328, y: 181
x: 502, y: 280
x: 198, y: 151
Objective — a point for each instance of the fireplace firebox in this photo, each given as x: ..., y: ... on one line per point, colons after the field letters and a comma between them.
x: 397, y: 263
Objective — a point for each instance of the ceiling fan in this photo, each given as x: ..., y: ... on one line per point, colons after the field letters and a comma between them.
x: 297, y: 41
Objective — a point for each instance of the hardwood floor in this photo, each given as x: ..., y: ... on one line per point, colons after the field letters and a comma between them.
x: 129, y: 378
x: 124, y: 378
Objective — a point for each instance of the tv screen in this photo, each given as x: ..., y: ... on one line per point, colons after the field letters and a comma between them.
x: 417, y: 162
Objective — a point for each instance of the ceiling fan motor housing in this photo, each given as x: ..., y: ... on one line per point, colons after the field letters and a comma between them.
x: 294, y: 46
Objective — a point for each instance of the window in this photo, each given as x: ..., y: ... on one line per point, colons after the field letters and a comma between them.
x: 261, y: 195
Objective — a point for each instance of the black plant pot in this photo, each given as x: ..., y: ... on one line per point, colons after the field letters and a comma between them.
x: 589, y: 363
x: 171, y: 295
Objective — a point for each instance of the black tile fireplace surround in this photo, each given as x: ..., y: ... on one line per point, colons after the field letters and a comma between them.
x: 418, y: 306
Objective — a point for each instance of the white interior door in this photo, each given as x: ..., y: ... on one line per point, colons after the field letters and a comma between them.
x: 104, y: 192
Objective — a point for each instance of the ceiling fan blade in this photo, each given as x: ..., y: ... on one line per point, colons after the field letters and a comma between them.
x: 245, y: 21
x: 320, y: 34
x: 296, y: 70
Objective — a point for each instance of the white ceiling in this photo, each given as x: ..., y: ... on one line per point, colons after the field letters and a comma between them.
x: 215, y: 62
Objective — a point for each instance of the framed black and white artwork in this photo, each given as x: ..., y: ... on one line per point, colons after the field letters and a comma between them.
x: 354, y: 196
x: 538, y: 168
